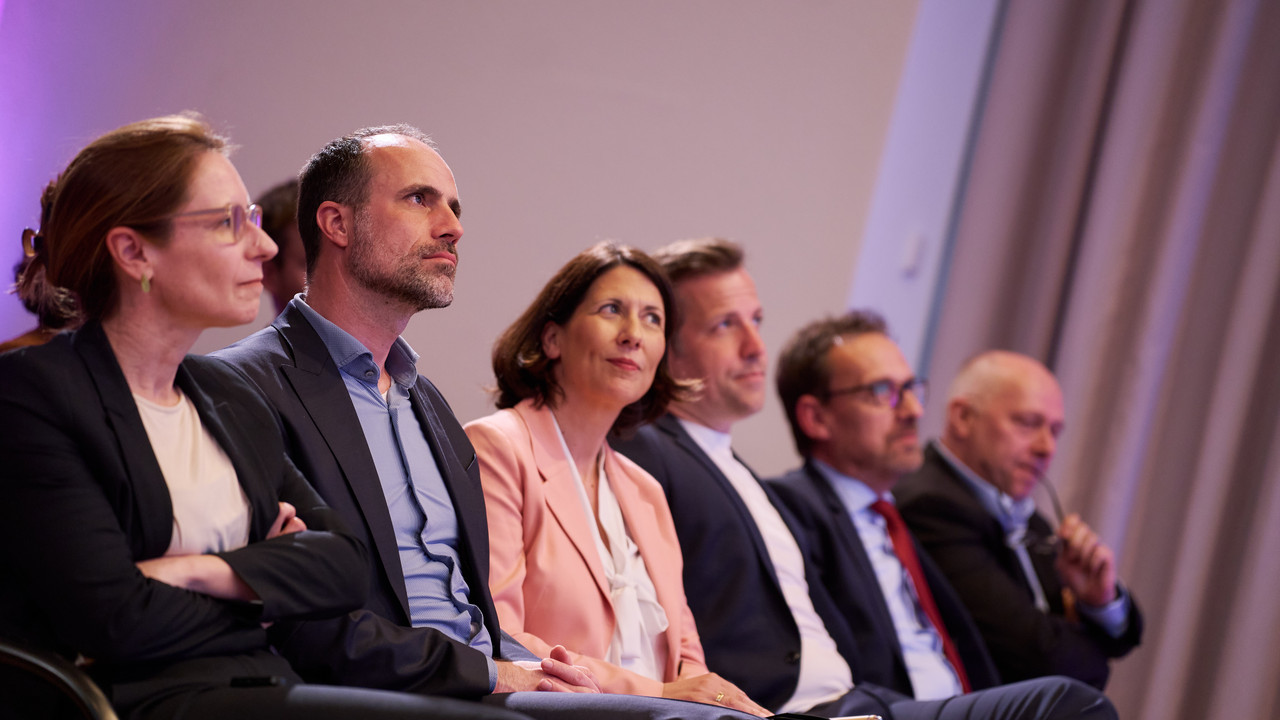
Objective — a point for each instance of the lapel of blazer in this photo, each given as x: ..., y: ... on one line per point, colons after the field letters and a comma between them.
x: 973, y: 649
x: 239, y: 449
x: 937, y: 467
x: 468, y: 498
x: 153, y: 522
x: 1045, y: 564
x: 670, y: 425
x: 558, y: 489
x: 642, y: 524
x: 937, y: 470
x: 853, y: 549
x: 317, y: 382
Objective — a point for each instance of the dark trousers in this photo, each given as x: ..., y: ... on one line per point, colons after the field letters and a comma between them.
x: 1051, y: 698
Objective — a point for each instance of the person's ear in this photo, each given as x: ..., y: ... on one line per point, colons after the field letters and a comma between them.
x: 551, y: 333
x: 812, y: 418
x: 960, y: 418
x: 336, y: 222
x: 131, y: 252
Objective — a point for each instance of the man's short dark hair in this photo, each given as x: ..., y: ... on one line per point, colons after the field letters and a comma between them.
x: 687, y: 259
x: 803, y: 368
x: 340, y: 172
x: 691, y: 259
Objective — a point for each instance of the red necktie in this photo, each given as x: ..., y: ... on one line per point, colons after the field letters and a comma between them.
x: 906, y: 552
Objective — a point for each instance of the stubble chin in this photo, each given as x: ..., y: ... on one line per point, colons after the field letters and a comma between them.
x: 909, y: 459
x: 436, y: 292
x: 410, y: 285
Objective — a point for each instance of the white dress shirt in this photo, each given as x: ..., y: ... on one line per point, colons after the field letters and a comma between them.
x: 824, y: 674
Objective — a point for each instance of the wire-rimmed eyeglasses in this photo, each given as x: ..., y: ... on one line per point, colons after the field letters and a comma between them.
x: 1047, y: 545
x: 887, y: 392
x: 237, y: 217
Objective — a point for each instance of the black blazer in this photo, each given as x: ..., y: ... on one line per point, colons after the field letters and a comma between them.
x: 374, y: 646
x: 968, y: 544
x: 83, y: 499
x: 747, y: 630
x: 845, y: 571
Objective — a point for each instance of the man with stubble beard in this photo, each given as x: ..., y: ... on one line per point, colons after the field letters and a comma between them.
x: 766, y: 622
x: 378, y: 212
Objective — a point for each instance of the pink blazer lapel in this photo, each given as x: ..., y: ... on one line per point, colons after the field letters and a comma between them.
x: 642, y: 524
x: 561, y: 495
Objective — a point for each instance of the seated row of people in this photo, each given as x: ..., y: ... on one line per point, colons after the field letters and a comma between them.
x: 301, y: 515
x: 800, y: 584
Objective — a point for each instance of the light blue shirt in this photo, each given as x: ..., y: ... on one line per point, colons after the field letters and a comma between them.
x: 422, y: 512
x: 932, y: 677
x: 1013, y: 516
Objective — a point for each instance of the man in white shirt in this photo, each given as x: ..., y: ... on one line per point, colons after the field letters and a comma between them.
x: 1046, y: 601
x: 763, y: 625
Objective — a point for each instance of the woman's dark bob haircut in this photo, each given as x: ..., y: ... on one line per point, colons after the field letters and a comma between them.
x: 523, y: 371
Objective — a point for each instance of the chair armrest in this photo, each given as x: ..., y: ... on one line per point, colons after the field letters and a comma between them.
x: 61, y: 674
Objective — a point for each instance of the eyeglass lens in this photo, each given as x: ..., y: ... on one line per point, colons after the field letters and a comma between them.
x: 887, y: 393
x: 239, y: 214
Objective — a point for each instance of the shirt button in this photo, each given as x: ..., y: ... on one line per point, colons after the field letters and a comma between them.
x: 793, y: 657
x: 368, y: 373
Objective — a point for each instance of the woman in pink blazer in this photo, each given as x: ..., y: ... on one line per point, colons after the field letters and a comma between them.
x: 583, y: 552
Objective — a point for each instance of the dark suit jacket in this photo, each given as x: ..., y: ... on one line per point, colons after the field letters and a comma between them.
x: 747, y: 630
x: 845, y: 571
x: 83, y: 499
x: 968, y: 545
x: 374, y: 646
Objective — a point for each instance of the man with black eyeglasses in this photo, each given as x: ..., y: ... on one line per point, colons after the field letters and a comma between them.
x: 1045, y: 601
x: 765, y: 621
x: 853, y: 403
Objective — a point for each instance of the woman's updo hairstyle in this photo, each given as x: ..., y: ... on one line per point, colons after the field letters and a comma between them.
x: 129, y: 177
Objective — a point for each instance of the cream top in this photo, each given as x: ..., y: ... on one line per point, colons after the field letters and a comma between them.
x: 210, y: 510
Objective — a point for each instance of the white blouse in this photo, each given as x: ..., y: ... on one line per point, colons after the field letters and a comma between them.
x: 638, y: 643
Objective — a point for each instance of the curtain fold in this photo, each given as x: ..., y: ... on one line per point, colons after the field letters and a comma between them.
x: 1121, y: 221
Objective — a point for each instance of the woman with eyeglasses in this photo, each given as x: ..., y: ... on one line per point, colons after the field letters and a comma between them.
x: 583, y: 551
x: 150, y: 523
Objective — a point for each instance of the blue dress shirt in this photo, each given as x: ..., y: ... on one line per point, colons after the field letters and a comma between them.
x: 422, y: 512
x: 932, y: 677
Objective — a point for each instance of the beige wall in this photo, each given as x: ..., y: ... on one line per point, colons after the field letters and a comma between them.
x: 565, y: 121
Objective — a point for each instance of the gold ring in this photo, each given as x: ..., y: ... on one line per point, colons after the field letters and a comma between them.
x: 719, y: 696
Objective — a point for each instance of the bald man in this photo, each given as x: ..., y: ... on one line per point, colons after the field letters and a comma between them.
x: 1046, y: 602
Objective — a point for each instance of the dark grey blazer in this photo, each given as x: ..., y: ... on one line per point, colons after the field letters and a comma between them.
x: 374, y: 646
x: 846, y: 573
x: 747, y: 629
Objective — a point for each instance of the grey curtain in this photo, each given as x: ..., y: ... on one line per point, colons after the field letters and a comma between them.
x: 1121, y: 221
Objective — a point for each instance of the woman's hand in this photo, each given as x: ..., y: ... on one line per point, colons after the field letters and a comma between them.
x: 286, y: 522
x: 712, y: 689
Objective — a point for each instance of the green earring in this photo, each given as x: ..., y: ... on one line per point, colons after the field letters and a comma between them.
x: 146, y: 283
